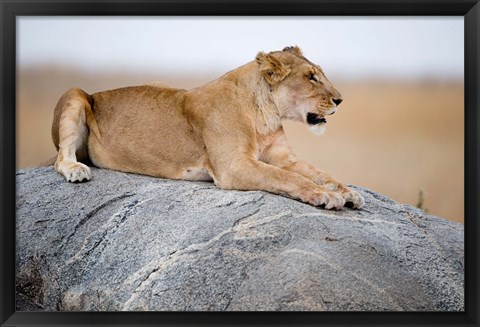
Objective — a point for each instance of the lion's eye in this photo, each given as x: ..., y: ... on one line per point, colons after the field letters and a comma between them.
x: 312, y: 77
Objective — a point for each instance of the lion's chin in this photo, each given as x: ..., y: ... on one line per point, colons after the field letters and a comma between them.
x: 318, y: 129
x: 317, y: 124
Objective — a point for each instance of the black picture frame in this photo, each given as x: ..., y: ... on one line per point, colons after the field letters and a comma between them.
x: 10, y: 9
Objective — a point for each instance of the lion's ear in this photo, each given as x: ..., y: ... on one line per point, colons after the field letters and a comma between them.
x: 272, y: 69
x: 295, y: 50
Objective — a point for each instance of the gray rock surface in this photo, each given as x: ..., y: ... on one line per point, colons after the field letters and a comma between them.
x: 128, y: 242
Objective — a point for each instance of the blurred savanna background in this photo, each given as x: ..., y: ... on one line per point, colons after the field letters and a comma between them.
x: 399, y: 130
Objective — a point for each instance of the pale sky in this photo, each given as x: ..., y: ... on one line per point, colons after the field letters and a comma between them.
x: 351, y: 47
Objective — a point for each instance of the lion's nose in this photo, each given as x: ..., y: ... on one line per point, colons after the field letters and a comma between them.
x: 337, y: 101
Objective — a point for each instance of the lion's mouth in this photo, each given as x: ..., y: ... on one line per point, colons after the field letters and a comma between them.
x: 315, y: 119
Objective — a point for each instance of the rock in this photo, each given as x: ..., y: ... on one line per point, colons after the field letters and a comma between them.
x: 129, y: 242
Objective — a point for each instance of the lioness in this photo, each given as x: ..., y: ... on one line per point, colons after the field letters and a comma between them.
x: 228, y: 130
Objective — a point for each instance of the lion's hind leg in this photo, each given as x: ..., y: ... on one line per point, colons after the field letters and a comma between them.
x: 71, y: 132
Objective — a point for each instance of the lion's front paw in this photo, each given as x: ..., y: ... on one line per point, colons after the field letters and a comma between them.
x: 330, y: 200
x: 74, y: 171
x: 335, y: 201
x: 353, y: 199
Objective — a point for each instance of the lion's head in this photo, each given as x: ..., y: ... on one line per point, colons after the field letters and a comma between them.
x: 300, y: 89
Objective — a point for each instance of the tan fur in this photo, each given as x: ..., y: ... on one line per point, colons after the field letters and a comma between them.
x: 228, y: 131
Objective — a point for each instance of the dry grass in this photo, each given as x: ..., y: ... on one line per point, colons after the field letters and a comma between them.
x: 398, y: 138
